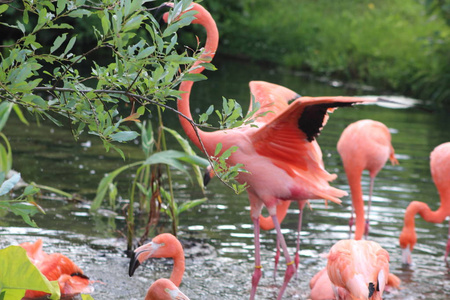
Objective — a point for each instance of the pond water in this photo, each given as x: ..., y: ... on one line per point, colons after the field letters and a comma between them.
x: 222, y: 226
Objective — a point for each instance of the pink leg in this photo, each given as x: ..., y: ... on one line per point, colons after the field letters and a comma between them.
x: 290, y: 270
x: 257, y: 273
x: 447, y: 249
x: 299, y: 229
x: 351, y: 221
x: 277, y: 259
x: 366, y: 229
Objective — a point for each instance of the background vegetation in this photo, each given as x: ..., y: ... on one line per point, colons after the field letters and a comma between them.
x: 401, y: 46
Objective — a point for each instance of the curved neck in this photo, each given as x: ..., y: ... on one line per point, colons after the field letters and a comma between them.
x: 354, y: 180
x: 178, y: 268
x: 212, y: 41
x: 417, y: 207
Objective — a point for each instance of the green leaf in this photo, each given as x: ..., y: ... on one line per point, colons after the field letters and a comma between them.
x: 8, y: 185
x: 70, y: 44
x: 194, y: 77
x: 106, y: 181
x: 58, y: 41
x: 218, y: 149
x: 22, y: 209
x: 18, y: 274
x: 124, y: 136
x: 86, y: 297
x: 190, y: 204
x: 60, y: 5
x: 3, y: 8
x: 79, y: 13
x: 168, y: 157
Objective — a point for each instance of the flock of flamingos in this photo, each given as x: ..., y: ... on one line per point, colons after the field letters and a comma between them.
x: 284, y: 164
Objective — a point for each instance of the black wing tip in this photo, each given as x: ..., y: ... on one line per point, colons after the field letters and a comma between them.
x: 311, y: 120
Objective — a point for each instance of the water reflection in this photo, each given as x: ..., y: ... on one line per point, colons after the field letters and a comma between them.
x: 50, y: 156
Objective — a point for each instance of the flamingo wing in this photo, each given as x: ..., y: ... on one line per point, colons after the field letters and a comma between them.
x: 287, y: 138
x: 272, y: 98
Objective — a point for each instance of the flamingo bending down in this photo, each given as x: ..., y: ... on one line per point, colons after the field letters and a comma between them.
x: 59, y: 267
x: 356, y: 269
x: 364, y: 145
x: 163, y: 245
x: 440, y: 171
x: 281, y: 161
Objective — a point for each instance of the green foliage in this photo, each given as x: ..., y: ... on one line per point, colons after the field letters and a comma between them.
x: 50, y: 81
x: 17, y: 205
x: 149, y: 189
x: 18, y: 274
x: 393, y: 45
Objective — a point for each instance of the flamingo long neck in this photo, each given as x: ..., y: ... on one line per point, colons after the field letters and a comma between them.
x: 417, y: 207
x: 354, y: 180
x: 212, y: 40
x: 178, y: 268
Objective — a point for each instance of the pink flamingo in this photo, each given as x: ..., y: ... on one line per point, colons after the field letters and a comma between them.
x: 356, y: 269
x: 163, y: 245
x: 56, y: 266
x: 281, y: 161
x: 440, y: 171
x: 364, y: 145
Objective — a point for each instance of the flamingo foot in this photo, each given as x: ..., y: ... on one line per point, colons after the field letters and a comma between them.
x: 277, y: 259
x: 290, y: 270
x: 255, y: 280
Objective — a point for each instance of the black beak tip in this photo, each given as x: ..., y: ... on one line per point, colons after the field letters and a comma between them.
x: 134, y: 264
x: 206, y: 178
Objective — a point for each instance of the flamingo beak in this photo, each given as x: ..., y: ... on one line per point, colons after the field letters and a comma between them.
x: 141, y: 254
x: 209, y: 173
x: 406, y: 256
x: 134, y: 264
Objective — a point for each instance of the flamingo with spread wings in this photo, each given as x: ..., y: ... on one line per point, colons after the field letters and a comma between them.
x: 278, y: 152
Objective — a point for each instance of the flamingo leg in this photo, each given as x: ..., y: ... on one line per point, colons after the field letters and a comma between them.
x: 297, y: 252
x: 277, y: 259
x: 290, y: 269
x: 367, y: 227
x: 351, y: 221
x: 257, y: 273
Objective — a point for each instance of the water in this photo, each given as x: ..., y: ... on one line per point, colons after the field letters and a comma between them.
x: 50, y: 156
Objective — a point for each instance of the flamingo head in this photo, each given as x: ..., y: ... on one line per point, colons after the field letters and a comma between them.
x: 165, y: 289
x: 209, y: 174
x: 163, y: 245
x: 408, y: 239
x: 194, y: 6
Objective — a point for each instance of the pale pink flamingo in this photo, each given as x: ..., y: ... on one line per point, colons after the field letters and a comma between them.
x: 281, y: 161
x: 356, y: 269
x: 440, y: 171
x: 364, y: 145
x: 168, y: 246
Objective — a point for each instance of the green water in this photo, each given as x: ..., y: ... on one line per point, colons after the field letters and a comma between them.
x: 49, y: 155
